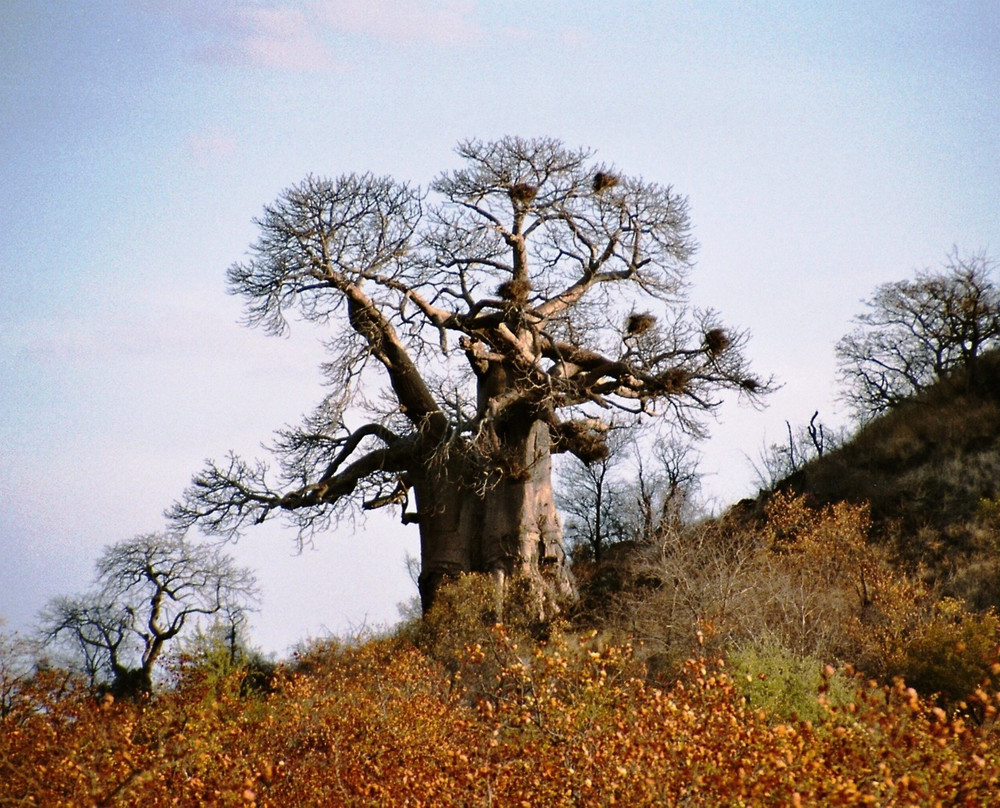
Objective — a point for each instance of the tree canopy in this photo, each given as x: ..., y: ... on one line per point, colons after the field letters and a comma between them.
x: 148, y: 590
x: 475, y: 328
x: 916, y: 332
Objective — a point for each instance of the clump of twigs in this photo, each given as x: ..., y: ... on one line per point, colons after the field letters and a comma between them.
x: 523, y: 193
x: 514, y: 290
x: 716, y: 341
x: 674, y: 380
x: 639, y: 323
x: 604, y: 180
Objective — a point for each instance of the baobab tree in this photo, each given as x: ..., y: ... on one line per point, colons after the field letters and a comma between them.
x: 478, y: 329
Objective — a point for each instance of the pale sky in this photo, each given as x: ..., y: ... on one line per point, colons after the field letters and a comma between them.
x: 825, y: 147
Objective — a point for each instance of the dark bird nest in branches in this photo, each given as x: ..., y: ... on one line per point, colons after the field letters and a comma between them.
x: 639, y: 323
x: 674, y: 381
x: 515, y: 290
x: 523, y: 193
x: 603, y: 180
x: 589, y: 445
x: 716, y: 341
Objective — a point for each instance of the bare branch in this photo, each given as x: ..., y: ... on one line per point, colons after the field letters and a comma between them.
x: 224, y: 500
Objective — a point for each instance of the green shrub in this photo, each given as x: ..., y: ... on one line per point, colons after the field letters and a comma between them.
x: 221, y: 657
x: 784, y: 684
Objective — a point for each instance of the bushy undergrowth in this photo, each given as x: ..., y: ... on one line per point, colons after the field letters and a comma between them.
x: 922, y: 468
x: 807, y: 582
x: 784, y: 684
x: 563, y: 723
x: 714, y: 686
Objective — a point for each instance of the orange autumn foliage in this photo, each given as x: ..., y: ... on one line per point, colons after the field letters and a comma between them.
x: 566, y: 723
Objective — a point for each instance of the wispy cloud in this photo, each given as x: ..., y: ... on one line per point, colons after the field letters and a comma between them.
x: 301, y: 35
x: 280, y: 35
x: 434, y: 21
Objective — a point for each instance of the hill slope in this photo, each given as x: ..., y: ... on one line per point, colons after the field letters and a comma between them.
x: 930, y: 470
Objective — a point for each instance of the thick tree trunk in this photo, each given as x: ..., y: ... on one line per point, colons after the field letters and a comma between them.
x: 521, y: 534
x: 131, y: 684
x: 511, y: 530
x: 450, y: 519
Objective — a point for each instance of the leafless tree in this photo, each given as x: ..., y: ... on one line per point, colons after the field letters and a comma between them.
x: 805, y: 443
x: 666, y: 487
x: 18, y: 658
x: 148, y: 591
x: 916, y: 332
x: 689, y: 581
x: 480, y: 327
x: 594, y: 498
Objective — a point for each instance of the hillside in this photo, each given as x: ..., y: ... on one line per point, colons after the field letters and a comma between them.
x: 831, y: 645
x: 930, y: 471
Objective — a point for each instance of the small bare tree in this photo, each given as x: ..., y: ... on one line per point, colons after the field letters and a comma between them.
x: 148, y: 591
x: 916, y: 332
x: 594, y: 498
x: 644, y: 484
x: 805, y: 443
x: 666, y: 487
x: 18, y: 657
x: 619, y: 504
x: 690, y: 583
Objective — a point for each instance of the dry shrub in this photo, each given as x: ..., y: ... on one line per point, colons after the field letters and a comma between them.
x: 820, y: 579
x: 950, y: 653
x: 464, y: 610
x: 807, y: 582
x: 686, y: 590
x: 846, y: 602
x: 975, y: 578
x: 802, y: 579
x: 459, y: 629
